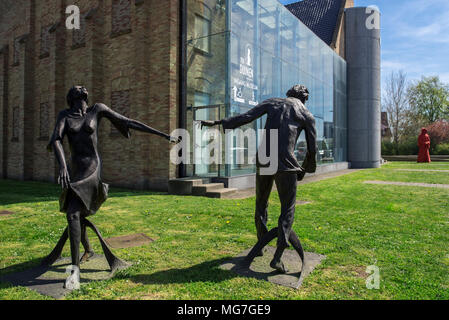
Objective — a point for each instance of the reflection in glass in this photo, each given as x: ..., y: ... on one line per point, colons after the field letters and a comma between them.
x: 257, y: 50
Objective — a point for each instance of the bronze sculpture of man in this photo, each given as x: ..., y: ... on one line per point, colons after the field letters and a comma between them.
x: 83, y: 190
x: 290, y: 117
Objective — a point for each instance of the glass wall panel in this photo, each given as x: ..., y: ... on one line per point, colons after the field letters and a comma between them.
x: 206, y: 63
x: 255, y: 50
x: 245, y: 94
x: 340, y: 108
x: 269, y: 19
x: 288, y: 33
x: 288, y: 53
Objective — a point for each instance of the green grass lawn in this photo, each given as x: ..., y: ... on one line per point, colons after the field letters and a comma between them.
x: 401, y: 230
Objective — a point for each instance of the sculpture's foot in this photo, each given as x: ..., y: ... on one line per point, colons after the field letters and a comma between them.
x: 73, y: 281
x: 278, y: 265
x: 86, y: 256
x: 260, y: 253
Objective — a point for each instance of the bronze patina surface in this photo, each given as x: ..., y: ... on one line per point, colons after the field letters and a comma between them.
x: 260, y: 267
x: 288, y: 117
x: 47, y: 280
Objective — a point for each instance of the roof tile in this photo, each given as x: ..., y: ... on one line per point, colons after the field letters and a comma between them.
x: 320, y: 16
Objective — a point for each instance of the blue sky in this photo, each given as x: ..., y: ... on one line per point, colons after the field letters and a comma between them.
x: 415, y: 36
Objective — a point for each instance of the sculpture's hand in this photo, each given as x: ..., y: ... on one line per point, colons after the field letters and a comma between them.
x: 174, y: 139
x: 63, y: 178
x: 309, y: 163
x: 301, y: 175
x: 207, y: 123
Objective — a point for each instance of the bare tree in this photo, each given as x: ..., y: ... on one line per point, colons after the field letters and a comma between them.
x: 395, y: 103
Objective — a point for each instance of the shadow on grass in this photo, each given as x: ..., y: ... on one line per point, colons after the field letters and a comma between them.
x: 27, y: 265
x: 20, y: 274
x: 207, y: 271
x: 14, y: 192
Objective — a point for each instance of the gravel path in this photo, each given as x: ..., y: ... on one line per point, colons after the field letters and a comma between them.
x: 410, y: 184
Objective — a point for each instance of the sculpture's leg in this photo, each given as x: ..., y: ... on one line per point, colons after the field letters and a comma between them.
x: 74, y: 211
x: 88, y: 251
x: 286, y: 183
x: 294, y: 240
x: 276, y: 263
x: 114, y: 262
x: 259, y: 246
x: 73, y: 219
x: 264, y: 184
x: 56, y: 253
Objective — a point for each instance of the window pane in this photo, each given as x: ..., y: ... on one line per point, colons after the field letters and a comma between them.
x: 202, y: 31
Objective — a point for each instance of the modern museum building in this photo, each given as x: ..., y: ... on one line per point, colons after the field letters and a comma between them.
x: 171, y: 63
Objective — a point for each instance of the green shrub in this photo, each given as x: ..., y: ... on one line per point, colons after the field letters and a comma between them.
x: 441, y: 149
x: 387, y: 148
x: 409, y: 146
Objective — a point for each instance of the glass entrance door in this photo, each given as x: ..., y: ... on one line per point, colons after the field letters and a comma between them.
x: 204, y: 141
x: 201, y: 111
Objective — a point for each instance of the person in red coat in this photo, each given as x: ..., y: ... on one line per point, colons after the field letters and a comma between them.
x: 424, y: 146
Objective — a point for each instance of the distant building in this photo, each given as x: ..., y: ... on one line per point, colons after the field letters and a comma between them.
x: 168, y: 63
x: 385, y: 127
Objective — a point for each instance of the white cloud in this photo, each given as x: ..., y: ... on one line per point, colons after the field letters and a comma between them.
x: 424, y: 21
x: 396, y: 65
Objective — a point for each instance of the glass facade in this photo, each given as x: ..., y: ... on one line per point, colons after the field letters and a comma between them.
x: 257, y: 49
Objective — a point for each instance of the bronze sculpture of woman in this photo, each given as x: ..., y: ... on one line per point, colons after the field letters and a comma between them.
x: 83, y: 190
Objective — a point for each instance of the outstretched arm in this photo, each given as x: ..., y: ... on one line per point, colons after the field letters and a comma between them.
x: 239, y: 120
x: 139, y: 126
x: 123, y: 124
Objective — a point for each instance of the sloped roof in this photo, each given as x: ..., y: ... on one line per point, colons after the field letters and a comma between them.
x: 320, y: 16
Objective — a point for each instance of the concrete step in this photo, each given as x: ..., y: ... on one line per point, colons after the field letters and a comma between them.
x: 221, y: 193
x: 201, y: 190
x: 183, y: 186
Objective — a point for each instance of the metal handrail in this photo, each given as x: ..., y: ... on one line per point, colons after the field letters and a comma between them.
x: 212, y: 106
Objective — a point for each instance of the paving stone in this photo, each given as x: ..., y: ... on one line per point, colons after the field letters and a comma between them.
x: 260, y: 267
x: 50, y: 280
x: 409, y: 184
x: 422, y: 170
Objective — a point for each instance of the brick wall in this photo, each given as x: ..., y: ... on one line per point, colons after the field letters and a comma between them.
x: 339, y: 43
x: 125, y: 48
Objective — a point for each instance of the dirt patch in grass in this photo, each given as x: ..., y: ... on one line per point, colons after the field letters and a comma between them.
x: 358, y: 271
x: 361, y: 272
x: 153, y: 296
x: 301, y: 202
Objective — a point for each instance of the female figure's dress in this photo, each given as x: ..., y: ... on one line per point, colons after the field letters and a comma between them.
x: 85, y: 170
x: 424, y: 146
